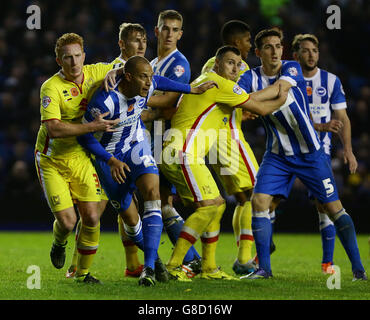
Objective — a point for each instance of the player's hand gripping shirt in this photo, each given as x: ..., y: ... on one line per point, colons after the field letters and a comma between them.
x: 289, y: 129
x: 66, y: 101
x: 325, y: 94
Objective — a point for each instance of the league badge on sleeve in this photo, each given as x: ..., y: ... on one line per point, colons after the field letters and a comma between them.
x: 237, y: 89
x: 293, y: 71
x: 179, y: 70
x: 45, y: 101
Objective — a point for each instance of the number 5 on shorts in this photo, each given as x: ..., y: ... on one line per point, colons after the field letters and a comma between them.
x: 328, y: 186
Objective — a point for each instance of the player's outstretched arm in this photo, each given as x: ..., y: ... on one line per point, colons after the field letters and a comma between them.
x: 268, y: 106
x: 203, y: 87
x: 59, y: 129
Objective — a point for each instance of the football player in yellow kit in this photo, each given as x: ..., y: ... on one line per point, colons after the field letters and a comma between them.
x: 194, y: 130
x: 132, y: 41
x: 237, y: 170
x: 65, y: 171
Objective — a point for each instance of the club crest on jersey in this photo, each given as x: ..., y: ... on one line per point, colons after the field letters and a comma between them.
x: 293, y: 71
x: 237, y: 89
x: 309, y: 90
x: 243, y: 66
x: 320, y: 91
x: 74, y: 92
x: 179, y: 70
x: 45, y: 101
x: 95, y: 112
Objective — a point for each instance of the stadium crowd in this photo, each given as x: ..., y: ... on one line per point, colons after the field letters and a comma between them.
x: 27, y: 59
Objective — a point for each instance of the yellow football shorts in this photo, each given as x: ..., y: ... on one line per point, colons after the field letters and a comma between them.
x: 192, y: 178
x: 66, y: 180
x: 236, y: 165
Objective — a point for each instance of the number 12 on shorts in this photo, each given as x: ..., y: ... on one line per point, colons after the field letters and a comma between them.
x: 329, y: 188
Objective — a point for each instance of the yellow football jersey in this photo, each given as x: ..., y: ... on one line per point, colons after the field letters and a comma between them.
x: 201, y: 116
x: 66, y: 101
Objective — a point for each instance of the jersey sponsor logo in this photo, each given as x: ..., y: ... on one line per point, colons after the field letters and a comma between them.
x: 74, y: 92
x: 179, y: 70
x: 237, y: 89
x: 45, y: 101
x: 293, y: 71
x: 309, y: 90
x: 128, y: 121
x: 318, y: 110
x: 320, y: 91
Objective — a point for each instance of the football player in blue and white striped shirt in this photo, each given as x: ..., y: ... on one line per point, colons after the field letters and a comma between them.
x: 123, y: 158
x: 172, y: 64
x: 328, y: 105
x: 293, y: 149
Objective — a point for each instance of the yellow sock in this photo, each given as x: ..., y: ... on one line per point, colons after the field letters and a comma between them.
x: 75, y: 251
x: 87, y: 245
x: 246, y: 235
x: 236, y: 223
x: 193, y: 227
x: 132, y: 259
x: 60, y: 235
x: 210, y: 240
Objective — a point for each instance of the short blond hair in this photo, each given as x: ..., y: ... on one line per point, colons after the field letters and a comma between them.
x: 126, y: 28
x: 296, y: 44
x: 68, y: 38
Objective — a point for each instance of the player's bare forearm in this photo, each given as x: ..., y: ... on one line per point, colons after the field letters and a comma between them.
x: 163, y: 101
x: 59, y: 129
x: 266, y: 107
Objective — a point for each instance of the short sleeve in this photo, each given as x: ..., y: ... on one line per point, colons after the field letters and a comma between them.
x: 338, y: 98
x: 49, y: 103
x: 245, y: 81
x: 291, y: 71
x: 179, y: 71
x: 231, y: 94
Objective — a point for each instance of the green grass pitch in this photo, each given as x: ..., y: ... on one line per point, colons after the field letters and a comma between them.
x: 295, y: 265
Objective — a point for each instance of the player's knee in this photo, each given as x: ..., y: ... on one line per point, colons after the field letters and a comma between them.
x: 67, y: 222
x: 260, y: 202
x: 151, y: 193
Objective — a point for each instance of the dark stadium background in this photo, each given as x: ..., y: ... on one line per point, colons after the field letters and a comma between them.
x: 27, y: 59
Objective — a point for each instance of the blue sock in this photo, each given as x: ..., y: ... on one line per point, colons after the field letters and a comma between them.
x: 327, y: 230
x: 173, y: 224
x: 272, y: 221
x: 135, y: 233
x: 152, y: 231
x: 261, y: 227
x: 347, y: 235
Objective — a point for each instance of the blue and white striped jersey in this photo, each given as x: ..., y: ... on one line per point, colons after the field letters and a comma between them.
x: 175, y: 67
x: 289, y: 129
x: 325, y: 94
x: 130, y: 128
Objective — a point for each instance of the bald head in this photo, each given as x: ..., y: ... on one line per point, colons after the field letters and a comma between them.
x: 138, y: 75
x: 134, y: 64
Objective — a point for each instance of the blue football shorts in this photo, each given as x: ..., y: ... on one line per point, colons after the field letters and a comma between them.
x: 140, y: 161
x: 277, y: 174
